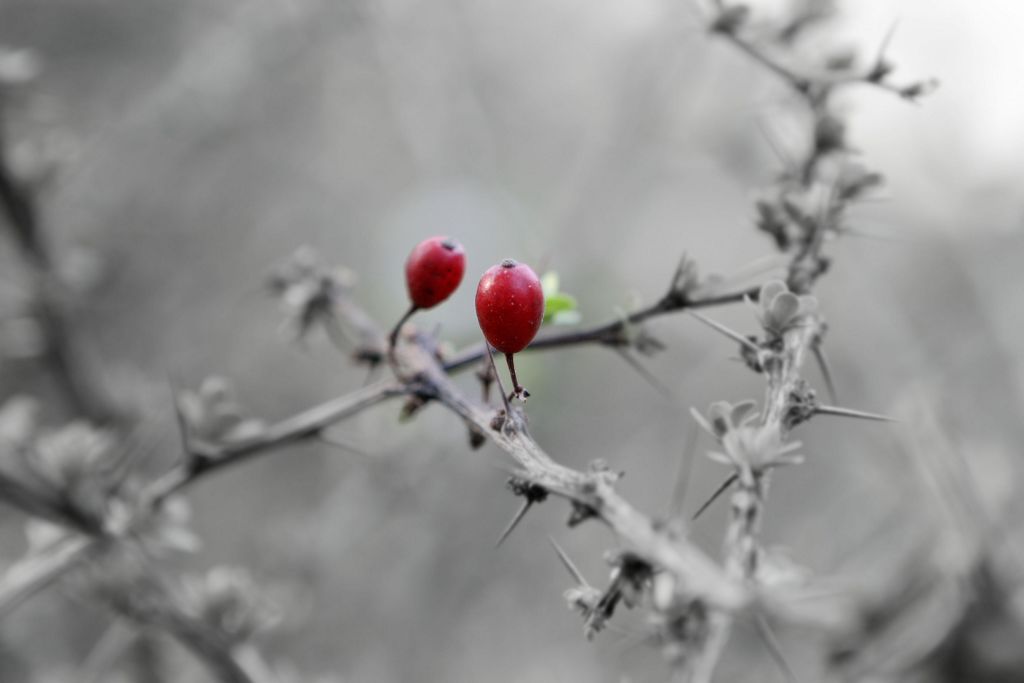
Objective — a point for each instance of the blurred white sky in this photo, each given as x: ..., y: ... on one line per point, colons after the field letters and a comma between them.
x: 972, y: 136
x: 971, y: 132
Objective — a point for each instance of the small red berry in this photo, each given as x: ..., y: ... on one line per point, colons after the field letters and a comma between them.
x: 434, y: 270
x: 510, y: 308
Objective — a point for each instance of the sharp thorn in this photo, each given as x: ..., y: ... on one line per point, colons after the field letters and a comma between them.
x: 338, y: 443
x: 887, y: 40
x: 576, y: 574
x: 718, y: 492
x: 732, y: 334
x: 513, y: 523
x: 685, y: 469
x: 849, y: 412
x: 644, y: 373
x: 765, y: 631
x: 826, y: 371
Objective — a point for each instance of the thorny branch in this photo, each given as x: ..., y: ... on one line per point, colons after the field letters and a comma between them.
x: 756, y: 444
x: 203, y: 458
x: 37, y: 571
x: 702, y: 598
x: 613, y: 334
x: 592, y: 491
x: 87, y: 538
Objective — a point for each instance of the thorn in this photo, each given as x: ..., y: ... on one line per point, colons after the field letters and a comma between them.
x: 883, y: 47
x: 645, y: 373
x: 568, y: 564
x: 765, y: 631
x: 685, y: 469
x: 850, y: 412
x: 826, y: 371
x: 680, y: 268
x: 714, y: 496
x: 773, y: 265
x: 527, y: 504
x: 732, y: 334
x: 324, y: 437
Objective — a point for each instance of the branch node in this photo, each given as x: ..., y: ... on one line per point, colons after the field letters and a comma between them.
x: 579, y: 514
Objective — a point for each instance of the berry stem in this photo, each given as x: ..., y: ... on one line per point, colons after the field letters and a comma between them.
x: 393, y: 337
x: 517, y: 388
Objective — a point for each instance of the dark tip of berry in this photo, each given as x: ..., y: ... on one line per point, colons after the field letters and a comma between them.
x: 509, y: 263
x: 449, y: 244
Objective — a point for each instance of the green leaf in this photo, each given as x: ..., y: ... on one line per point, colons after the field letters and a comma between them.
x: 556, y: 304
x: 559, y: 307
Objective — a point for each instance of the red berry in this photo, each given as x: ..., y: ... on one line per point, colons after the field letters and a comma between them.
x: 434, y: 270
x: 509, y: 306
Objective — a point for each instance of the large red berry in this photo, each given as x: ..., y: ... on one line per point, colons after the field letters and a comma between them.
x: 509, y: 306
x: 434, y: 270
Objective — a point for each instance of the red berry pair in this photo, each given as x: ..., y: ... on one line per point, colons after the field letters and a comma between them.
x: 509, y: 298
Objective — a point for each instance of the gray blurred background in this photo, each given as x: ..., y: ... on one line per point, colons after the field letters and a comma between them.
x: 207, y: 139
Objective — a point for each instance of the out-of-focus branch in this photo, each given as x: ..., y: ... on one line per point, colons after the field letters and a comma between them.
x: 156, y: 607
x: 40, y: 569
x: 79, y: 383
x: 755, y: 444
x: 43, y: 504
x: 202, y: 459
x: 730, y: 19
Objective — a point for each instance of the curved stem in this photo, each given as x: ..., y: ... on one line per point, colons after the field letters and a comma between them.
x: 393, y: 337
x: 517, y: 388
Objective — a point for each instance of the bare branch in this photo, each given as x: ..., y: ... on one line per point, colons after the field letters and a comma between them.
x: 206, y: 643
x: 305, y: 425
x: 37, y: 571
x: 64, y: 353
x: 612, y: 334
